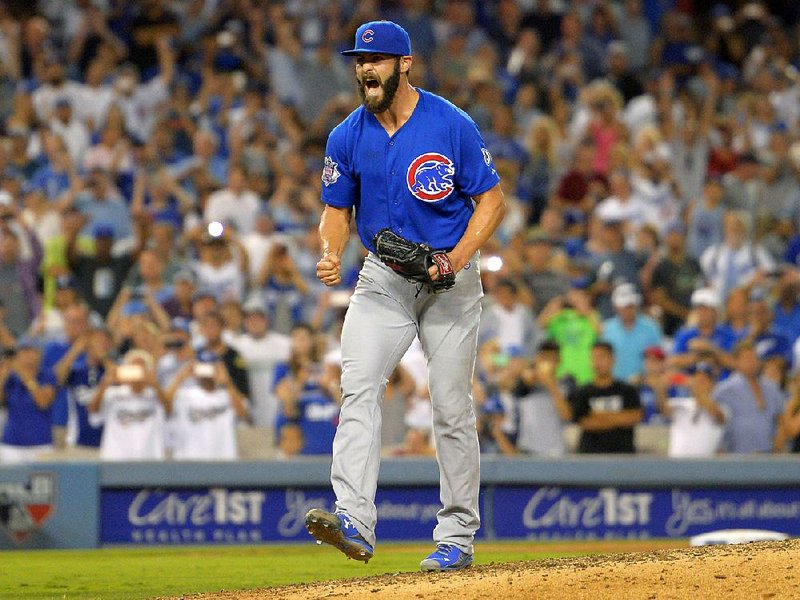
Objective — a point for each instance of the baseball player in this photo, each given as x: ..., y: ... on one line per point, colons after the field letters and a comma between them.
x: 415, y: 172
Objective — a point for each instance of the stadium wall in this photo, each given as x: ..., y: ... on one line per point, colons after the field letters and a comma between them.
x: 88, y: 504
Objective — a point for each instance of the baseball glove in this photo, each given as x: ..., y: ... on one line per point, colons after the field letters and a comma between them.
x: 412, y: 260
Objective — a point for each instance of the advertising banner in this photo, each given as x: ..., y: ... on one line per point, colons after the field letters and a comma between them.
x: 48, y: 506
x: 561, y: 513
x: 246, y: 515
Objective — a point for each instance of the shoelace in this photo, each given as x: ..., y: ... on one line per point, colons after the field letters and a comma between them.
x: 444, y: 549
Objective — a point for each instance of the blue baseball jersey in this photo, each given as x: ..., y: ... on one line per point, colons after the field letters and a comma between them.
x: 27, y: 424
x: 317, y: 418
x: 81, y: 384
x: 419, y: 182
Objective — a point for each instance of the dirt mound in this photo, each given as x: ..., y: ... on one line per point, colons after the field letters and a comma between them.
x: 747, y: 571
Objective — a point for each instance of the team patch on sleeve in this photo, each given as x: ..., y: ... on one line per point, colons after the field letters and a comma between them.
x: 330, y: 172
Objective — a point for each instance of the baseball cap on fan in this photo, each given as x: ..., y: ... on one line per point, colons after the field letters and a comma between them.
x: 381, y: 37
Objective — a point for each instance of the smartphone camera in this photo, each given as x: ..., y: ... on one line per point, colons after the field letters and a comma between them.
x: 130, y: 373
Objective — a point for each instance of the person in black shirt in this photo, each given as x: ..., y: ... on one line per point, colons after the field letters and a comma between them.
x: 606, y: 409
x: 211, y: 327
x: 675, y: 278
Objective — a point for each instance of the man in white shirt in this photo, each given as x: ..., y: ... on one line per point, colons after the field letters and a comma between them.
x: 69, y: 128
x: 234, y: 204
x: 205, y: 411
x: 261, y: 350
x: 130, y: 403
x: 697, y: 423
x: 95, y: 96
x: 139, y: 101
x: 55, y: 87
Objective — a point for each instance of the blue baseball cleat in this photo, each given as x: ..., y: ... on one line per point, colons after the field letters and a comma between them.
x: 446, y: 557
x: 337, y: 529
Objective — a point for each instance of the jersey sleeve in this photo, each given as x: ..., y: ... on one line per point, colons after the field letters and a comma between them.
x: 630, y: 398
x: 475, y: 172
x: 339, y: 182
x: 98, y: 418
x: 681, y: 343
x: 579, y: 400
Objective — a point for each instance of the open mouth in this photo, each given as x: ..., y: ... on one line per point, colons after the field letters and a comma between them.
x: 371, y: 84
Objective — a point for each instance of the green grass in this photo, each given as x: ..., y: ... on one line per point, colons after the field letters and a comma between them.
x: 133, y: 573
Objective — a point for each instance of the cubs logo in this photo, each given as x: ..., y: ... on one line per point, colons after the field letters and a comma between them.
x: 368, y: 36
x: 25, y: 507
x: 330, y: 172
x: 430, y: 177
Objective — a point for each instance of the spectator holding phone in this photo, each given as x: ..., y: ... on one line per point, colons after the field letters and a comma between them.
x: 283, y: 288
x: 28, y: 391
x: 212, y: 327
x: 130, y: 403
x: 205, y: 410
x: 697, y: 422
x: 79, y: 373
x: 542, y: 405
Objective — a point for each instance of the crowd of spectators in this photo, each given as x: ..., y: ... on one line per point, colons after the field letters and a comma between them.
x: 159, y: 197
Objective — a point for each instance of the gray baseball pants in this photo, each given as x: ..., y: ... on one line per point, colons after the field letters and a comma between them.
x: 384, y: 315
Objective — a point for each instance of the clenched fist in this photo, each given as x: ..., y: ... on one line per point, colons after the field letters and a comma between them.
x: 329, y: 269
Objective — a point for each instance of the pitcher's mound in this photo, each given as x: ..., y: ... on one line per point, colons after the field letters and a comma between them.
x: 746, y: 571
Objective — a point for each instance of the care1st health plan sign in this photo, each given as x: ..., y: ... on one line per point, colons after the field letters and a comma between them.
x: 247, y: 515
x: 556, y: 513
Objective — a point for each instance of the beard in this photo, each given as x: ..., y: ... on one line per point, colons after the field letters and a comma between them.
x: 389, y: 88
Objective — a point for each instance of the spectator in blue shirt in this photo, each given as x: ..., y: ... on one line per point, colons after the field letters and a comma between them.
x: 786, y: 310
x: 80, y: 372
x: 102, y: 204
x: 773, y: 348
x: 629, y: 332
x: 706, y: 336
x: 28, y: 391
x: 753, y: 404
x: 309, y: 397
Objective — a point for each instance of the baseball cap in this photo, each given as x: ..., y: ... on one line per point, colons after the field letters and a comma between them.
x: 184, y: 275
x: 749, y: 158
x: 381, y: 37
x: 537, y: 236
x: 625, y: 294
x: 134, y: 307
x: 656, y: 352
x: 65, y: 282
x: 705, y: 297
x: 180, y: 324
x: 207, y: 356
x: 704, y: 367
x: 203, y: 293
x: 103, y: 230
x: 254, y: 305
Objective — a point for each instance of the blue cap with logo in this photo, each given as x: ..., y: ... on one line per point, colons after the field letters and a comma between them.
x: 206, y: 356
x: 381, y: 37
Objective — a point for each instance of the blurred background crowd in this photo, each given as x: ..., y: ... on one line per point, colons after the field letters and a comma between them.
x: 159, y: 197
